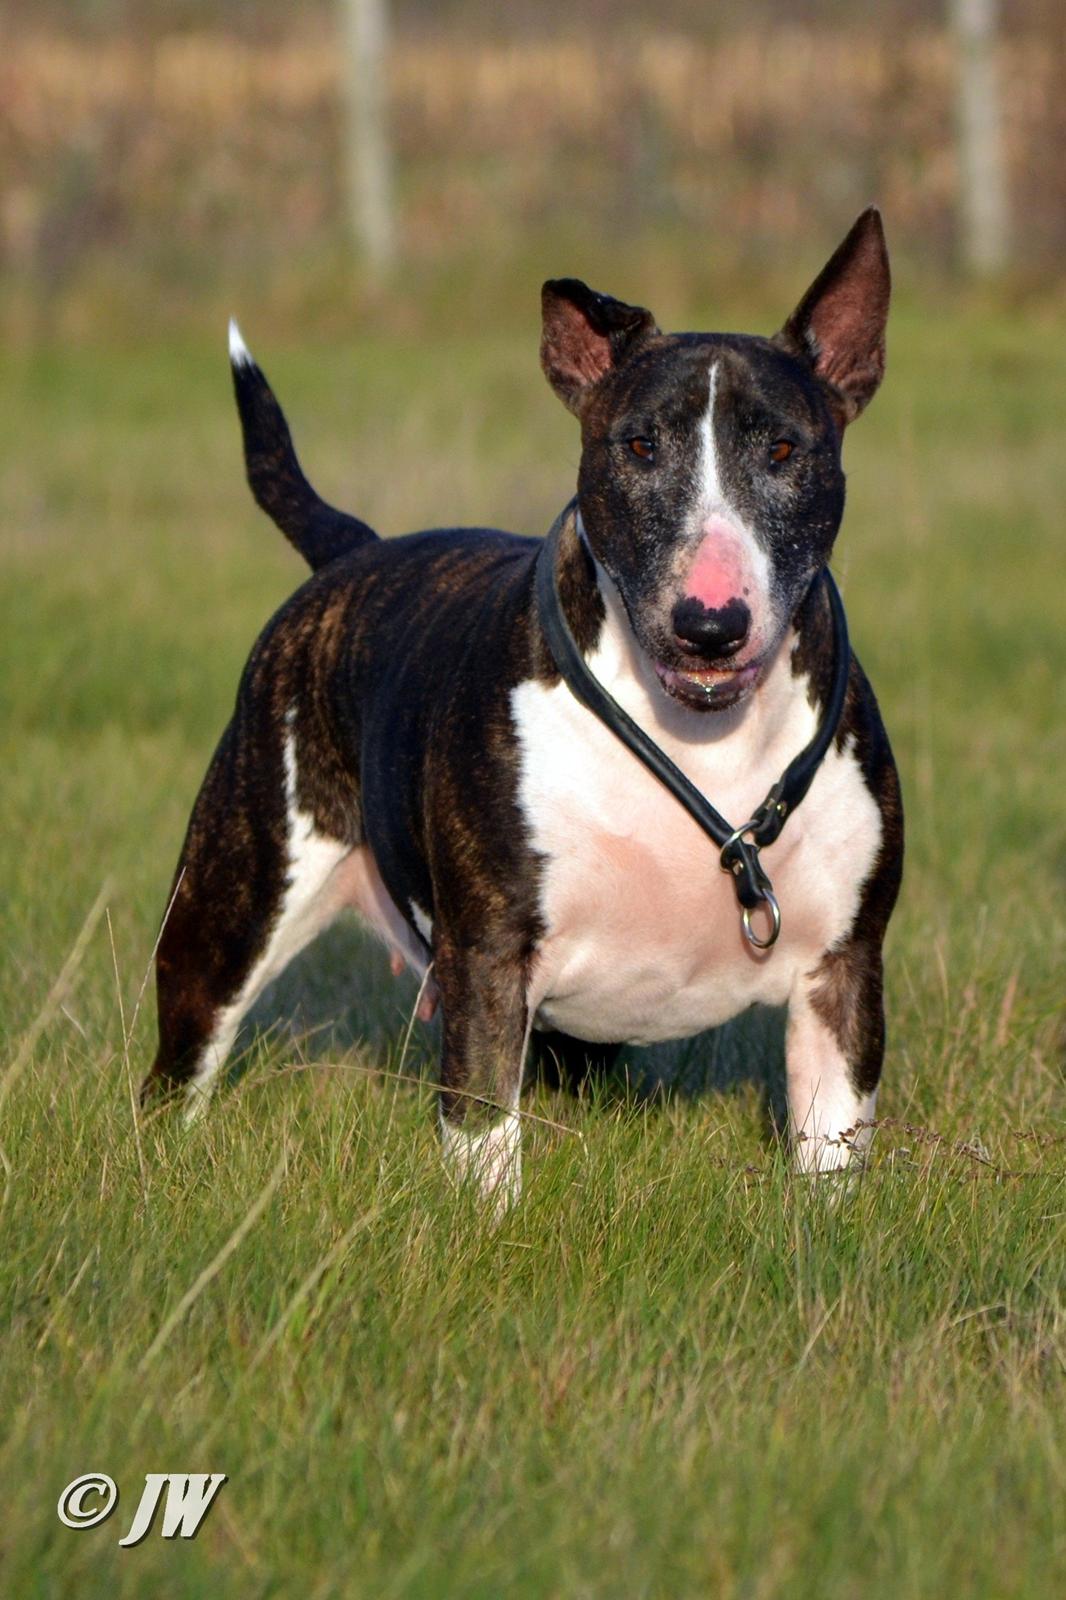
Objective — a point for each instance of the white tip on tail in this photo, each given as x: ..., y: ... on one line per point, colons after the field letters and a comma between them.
x: 239, y: 353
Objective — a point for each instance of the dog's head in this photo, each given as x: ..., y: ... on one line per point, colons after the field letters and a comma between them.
x: 711, y: 487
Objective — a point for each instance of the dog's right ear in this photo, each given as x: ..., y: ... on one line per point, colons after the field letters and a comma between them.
x: 585, y: 335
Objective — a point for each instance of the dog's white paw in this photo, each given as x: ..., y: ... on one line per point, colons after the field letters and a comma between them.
x: 491, y: 1159
x: 834, y: 1162
x: 197, y: 1100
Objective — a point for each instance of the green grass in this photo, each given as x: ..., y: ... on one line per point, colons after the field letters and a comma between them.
x: 674, y: 1370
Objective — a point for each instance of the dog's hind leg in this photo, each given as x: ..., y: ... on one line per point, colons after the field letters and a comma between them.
x: 256, y: 882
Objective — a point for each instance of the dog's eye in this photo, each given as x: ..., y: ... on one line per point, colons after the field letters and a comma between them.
x: 644, y: 448
x: 780, y: 451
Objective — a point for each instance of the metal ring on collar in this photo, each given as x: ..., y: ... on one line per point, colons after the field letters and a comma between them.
x: 769, y: 899
x: 736, y: 835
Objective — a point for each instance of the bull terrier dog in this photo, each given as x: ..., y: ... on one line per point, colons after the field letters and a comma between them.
x: 525, y: 763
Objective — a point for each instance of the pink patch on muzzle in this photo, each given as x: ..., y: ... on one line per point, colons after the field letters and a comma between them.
x: 719, y: 573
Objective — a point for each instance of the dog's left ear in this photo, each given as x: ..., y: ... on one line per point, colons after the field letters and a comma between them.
x: 585, y: 335
x: 839, y: 325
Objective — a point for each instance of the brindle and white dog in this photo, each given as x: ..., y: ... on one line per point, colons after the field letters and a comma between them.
x: 403, y: 743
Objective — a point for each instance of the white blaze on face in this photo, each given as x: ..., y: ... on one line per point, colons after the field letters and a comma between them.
x: 729, y: 563
x: 709, y: 478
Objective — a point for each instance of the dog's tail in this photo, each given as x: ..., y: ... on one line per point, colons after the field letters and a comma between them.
x: 319, y: 531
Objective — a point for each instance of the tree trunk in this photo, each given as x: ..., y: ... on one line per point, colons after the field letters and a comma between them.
x: 983, y: 207
x: 369, y: 157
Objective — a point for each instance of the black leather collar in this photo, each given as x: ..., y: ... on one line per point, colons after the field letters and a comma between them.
x: 738, y: 847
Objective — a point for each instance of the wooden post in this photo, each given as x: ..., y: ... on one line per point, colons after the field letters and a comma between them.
x: 983, y: 206
x: 368, y: 154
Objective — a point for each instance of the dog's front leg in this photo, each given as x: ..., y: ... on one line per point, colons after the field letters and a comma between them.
x: 834, y: 1048
x: 485, y: 1027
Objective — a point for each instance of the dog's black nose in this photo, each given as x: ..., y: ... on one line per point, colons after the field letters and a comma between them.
x: 711, y: 633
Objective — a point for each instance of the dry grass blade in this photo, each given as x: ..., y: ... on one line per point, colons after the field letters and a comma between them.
x: 58, y: 992
x: 151, y: 959
x: 46, y: 1332
x: 308, y: 1283
x: 218, y: 1261
x: 54, y: 1000
x: 414, y: 1016
x: 420, y: 1083
x: 127, y: 1032
x: 1005, y: 1011
x: 126, y: 1058
x: 305, y: 1287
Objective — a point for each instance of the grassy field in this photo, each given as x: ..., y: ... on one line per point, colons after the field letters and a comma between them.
x: 674, y: 1371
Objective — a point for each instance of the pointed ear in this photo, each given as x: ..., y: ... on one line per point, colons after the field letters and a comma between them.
x: 838, y: 328
x: 585, y: 335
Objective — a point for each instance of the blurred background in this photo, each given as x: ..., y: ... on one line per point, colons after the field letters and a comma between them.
x: 159, y: 155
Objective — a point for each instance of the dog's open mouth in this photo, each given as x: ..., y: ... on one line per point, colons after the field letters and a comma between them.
x: 709, y: 688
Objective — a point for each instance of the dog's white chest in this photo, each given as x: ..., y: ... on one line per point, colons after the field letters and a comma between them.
x: 642, y: 929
